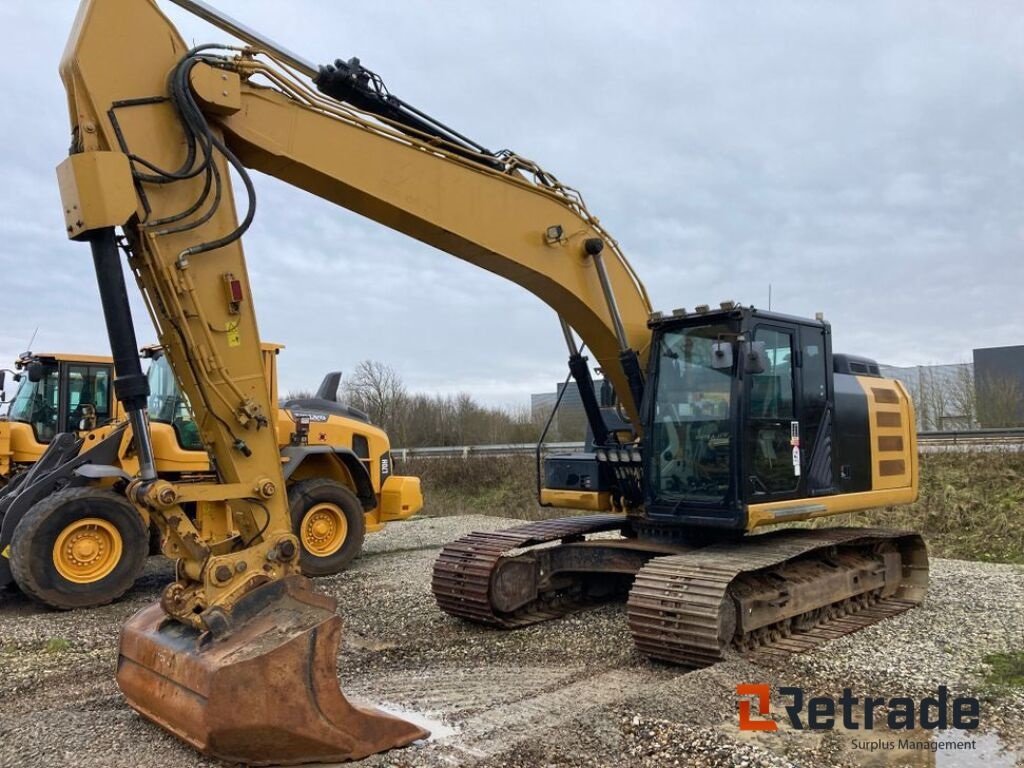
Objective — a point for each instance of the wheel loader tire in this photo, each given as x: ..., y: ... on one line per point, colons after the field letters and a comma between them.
x: 79, y: 548
x: 328, y: 520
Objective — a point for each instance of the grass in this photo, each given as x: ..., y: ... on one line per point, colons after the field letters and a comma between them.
x: 971, y: 505
x: 56, y: 645
x: 1006, y: 669
x: 503, y: 486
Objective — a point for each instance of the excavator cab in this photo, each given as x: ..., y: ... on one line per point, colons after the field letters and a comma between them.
x: 753, y: 420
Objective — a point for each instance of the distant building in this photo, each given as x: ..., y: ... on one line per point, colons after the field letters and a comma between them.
x: 999, y: 383
x: 943, y: 395
x: 570, y: 423
x: 542, y: 402
x: 987, y: 393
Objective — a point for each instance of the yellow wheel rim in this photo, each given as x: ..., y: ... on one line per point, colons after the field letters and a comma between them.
x: 87, y: 550
x: 324, y: 529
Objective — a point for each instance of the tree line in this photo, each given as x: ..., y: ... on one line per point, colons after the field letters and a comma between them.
x: 414, y: 419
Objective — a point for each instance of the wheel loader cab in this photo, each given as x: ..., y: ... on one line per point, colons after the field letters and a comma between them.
x: 749, y: 414
x: 58, y: 393
x: 167, y: 404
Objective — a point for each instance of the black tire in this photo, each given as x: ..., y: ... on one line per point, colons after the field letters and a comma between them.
x: 307, y: 494
x: 32, y: 558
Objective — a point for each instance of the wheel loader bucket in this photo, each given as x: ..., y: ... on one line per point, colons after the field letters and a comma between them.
x: 266, y: 693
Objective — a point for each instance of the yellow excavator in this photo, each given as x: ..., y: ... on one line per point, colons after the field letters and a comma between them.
x: 728, y: 421
x: 69, y: 539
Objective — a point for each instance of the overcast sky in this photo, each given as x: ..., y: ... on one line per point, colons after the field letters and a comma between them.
x: 866, y: 159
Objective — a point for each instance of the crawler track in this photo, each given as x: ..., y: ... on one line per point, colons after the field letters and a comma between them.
x: 682, y: 608
x: 462, y: 572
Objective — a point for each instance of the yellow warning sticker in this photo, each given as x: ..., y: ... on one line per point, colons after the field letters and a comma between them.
x: 7, y: 552
x: 234, y: 337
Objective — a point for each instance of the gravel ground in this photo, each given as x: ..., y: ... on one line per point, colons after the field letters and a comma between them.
x: 567, y: 693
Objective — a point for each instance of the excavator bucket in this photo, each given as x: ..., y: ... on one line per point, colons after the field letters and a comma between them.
x: 266, y: 693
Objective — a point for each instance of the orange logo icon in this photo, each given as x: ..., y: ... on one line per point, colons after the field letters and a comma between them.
x: 763, y: 722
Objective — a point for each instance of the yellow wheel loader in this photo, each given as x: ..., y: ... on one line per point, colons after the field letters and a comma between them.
x: 56, y: 393
x: 730, y: 421
x: 70, y: 539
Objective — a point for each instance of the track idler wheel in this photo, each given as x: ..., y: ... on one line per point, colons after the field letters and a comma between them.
x: 266, y: 693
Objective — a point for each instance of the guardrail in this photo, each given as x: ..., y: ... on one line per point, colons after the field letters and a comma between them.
x: 972, y: 437
x: 498, y: 449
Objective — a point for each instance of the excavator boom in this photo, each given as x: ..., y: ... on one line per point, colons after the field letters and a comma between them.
x: 157, y: 130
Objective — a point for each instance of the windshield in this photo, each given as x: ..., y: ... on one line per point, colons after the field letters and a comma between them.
x: 168, y: 404
x: 691, y: 451
x: 36, y: 403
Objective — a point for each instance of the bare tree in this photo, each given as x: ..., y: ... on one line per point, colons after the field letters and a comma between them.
x: 415, y: 419
x: 921, y: 403
x: 964, y: 397
x: 934, y: 400
x: 377, y: 388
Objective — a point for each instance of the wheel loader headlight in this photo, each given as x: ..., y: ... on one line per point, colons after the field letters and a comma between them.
x: 634, y: 455
x: 601, y: 455
x: 613, y: 455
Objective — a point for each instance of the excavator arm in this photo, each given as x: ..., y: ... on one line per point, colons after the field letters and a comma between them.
x: 158, y: 129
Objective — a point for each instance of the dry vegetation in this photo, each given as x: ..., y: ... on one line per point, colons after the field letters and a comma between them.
x: 504, y: 486
x: 971, y: 504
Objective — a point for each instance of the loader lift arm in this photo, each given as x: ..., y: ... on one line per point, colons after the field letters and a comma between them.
x: 157, y: 129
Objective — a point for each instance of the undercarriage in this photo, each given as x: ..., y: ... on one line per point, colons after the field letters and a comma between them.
x: 687, y: 603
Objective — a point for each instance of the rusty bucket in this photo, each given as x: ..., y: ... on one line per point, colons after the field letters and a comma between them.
x: 266, y: 693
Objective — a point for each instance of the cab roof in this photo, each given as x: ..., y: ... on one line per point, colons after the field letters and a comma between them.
x: 66, y: 357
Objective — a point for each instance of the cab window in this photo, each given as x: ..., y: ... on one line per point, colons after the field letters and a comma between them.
x: 36, y: 404
x: 88, y: 385
x: 690, y: 453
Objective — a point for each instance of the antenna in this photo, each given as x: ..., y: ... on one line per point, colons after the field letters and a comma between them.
x: 32, y: 340
x: 769, y: 297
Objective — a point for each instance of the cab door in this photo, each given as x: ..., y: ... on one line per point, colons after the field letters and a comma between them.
x: 814, y: 409
x: 771, y: 442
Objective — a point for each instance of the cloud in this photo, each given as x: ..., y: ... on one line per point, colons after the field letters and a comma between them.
x: 863, y: 159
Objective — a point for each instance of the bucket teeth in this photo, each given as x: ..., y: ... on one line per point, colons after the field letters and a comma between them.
x: 265, y: 694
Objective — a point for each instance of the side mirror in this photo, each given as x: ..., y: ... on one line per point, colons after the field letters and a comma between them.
x: 755, y: 360
x: 35, y: 372
x: 721, y: 355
